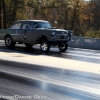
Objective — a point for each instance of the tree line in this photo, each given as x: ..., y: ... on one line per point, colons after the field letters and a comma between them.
x: 78, y: 15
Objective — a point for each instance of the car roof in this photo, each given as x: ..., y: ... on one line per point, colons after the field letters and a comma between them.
x: 32, y: 21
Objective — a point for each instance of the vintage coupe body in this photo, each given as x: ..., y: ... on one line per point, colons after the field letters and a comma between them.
x: 31, y: 32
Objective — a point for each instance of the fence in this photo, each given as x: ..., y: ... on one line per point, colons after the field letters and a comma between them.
x: 86, y: 43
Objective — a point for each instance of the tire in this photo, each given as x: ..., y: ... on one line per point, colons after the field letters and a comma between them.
x: 45, y: 46
x: 9, y: 42
x: 63, y: 46
x: 28, y: 45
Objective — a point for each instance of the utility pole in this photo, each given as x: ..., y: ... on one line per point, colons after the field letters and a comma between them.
x: 4, y: 14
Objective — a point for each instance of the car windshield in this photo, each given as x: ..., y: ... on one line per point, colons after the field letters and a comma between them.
x: 41, y: 25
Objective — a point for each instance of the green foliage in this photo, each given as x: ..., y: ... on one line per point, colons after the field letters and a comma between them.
x: 77, y: 15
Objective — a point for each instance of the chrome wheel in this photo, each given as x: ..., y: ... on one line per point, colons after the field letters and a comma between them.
x: 45, y: 47
x: 63, y: 46
x: 8, y: 41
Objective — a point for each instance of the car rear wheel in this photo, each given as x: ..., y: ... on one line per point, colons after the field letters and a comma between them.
x: 45, y: 46
x: 63, y: 46
x: 9, y: 42
x: 28, y: 45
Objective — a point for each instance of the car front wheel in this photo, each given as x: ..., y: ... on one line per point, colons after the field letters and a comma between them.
x: 9, y: 42
x: 45, y: 46
x: 63, y: 46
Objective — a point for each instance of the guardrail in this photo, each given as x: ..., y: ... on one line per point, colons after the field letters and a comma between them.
x: 86, y: 43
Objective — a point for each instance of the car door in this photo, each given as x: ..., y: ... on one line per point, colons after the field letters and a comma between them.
x: 35, y: 32
x: 25, y: 31
x: 14, y: 31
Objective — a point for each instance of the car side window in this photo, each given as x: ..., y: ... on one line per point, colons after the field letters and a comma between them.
x: 41, y: 25
x: 35, y: 25
x: 16, y: 26
x: 26, y: 26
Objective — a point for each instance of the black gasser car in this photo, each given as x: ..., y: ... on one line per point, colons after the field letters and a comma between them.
x: 31, y: 32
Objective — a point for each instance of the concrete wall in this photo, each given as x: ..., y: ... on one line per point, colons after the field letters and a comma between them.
x: 86, y: 43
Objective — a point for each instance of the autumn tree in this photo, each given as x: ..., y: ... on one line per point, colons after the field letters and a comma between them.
x: 0, y: 14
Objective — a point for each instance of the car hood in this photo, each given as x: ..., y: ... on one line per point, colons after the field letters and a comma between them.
x: 61, y: 31
x: 58, y: 30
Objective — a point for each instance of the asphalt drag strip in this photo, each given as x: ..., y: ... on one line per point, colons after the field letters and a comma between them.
x: 67, y: 84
